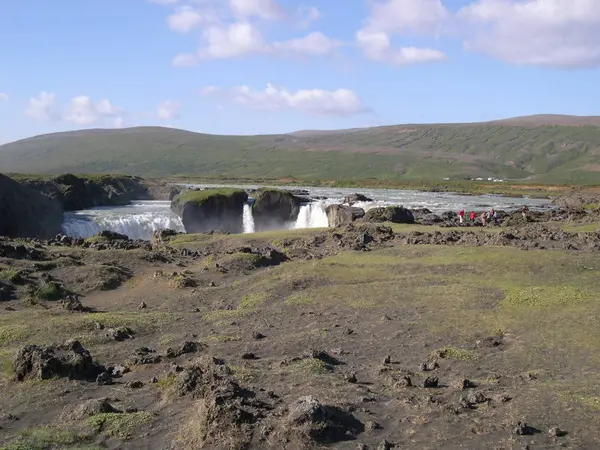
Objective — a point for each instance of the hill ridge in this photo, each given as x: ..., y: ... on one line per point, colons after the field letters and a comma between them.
x: 540, y: 147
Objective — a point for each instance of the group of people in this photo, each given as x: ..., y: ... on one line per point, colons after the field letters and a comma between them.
x: 485, y: 216
x: 488, y: 216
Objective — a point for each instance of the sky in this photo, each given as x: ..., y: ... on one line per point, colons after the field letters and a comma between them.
x: 275, y: 66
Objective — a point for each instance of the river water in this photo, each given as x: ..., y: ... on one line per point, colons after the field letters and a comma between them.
x: 140, y: 218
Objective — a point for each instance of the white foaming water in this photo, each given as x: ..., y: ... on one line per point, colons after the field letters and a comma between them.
x: 137, y: 220
x: 248, y: 219
x: 141, y: 218
x: 312, y: 215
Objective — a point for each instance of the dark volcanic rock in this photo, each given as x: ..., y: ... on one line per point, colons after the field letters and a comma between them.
x: 394, y: 214
x: 76, y: 192
x: 211, y: 209
x: 354, y: 198
x: 70, y: 360
x: 321, y: 423
x: 339, y: 215
x: 273, y: 208
x: 26, y: 213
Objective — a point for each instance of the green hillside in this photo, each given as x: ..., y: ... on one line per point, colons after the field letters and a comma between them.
x: 558, y: 153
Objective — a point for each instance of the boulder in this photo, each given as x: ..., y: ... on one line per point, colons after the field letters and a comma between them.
x: 82, y: 192
x: 273, y: 208
x: 211, y: 209
x: 394, y: 214
x: 353, y: 198
x: 26, y: 213
x: 308, y: 417
x: 339, y: 215
x: 70, y: 360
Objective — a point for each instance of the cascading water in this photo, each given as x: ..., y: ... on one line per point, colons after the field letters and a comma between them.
x: 248, y: 219
x: 137, y: 220
x: 312, y: 215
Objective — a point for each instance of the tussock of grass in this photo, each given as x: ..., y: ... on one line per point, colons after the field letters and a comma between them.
x: 119, y: 425
x: 460, y: 354
x: 311, y: 366
x: 50, y: 291
x: 547, y: 297
x: 221, y: 338
x: 46, y: 438
x: 249, y: 304
x: 10, y: 275
x: 13, y: 333
x: 301, y: 298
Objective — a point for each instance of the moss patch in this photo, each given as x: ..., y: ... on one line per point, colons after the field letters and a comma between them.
x: 118, y: 425
x: 46, y: 438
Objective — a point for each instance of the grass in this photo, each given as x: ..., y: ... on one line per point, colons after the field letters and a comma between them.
x: 10, y: 275
x: 45, y: 438
x: 50, y: 291
x: 460, y: 354
x: 431, y: 152
x: 581, y: 228
x: 119, y: 425
x: 249, y: 304
x: 14, y: 332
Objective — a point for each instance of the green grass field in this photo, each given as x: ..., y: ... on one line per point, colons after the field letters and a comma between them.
x: 560, y: 154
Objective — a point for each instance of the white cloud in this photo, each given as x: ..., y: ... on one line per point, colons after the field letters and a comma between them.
x: 168, y: 110
x: 81, y: 110
x: 407, y: 16
x: 42, y: 107
x: 243, y: 38
x: 314, y: 44
x: 402, y: 17
x: 340, y: 102
x: 377, y: 46
x: 555, y: 33
x: 262, y: 9
x: 3, y: 97
x: 165, y: 2
x: 184, y: 19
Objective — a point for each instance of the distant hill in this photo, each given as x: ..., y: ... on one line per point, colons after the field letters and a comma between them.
x: 545, y: 147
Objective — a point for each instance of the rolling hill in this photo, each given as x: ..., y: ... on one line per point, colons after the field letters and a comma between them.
x: 545, y: 148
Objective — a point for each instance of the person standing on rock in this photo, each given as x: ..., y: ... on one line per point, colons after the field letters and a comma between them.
x: 524, y: 210
x: 483, y: 218
x: 472, y: 216
x: 461, y: 215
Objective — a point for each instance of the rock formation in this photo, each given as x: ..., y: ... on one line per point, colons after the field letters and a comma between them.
x: 339, y: 215
x: 394, y: 214
x: 273, y: 208
x: 211, y: 209
x: 82, y: 192
x: 26, y: 213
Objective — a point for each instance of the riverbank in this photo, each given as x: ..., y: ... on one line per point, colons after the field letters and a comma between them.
x: 509, y: 189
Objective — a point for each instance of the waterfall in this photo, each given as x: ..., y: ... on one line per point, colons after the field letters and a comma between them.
x: 312, y: 215
x: 137, y: 221
x: 248, y: 219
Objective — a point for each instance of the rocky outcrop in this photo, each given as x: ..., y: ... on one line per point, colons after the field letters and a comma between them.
x: 339, y: 215
x: 26, y: 213
x: 354, y: 198
x: 394, y: 214
x: 211, y: 209
x: 81, y: 192
x: 273, y: 208
x: 70, y: 360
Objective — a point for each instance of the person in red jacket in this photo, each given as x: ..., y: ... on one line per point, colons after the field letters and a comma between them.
x: 472, y: 216
x: 461, y: 215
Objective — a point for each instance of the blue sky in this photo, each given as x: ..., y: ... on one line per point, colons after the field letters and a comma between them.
x: 270, y: 66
